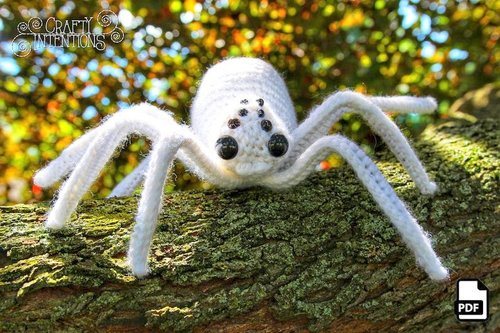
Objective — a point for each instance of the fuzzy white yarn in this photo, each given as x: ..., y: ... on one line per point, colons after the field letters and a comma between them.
x: 245, y: 100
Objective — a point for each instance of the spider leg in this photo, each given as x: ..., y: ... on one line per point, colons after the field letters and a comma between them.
x: 202, y: 164
x: 195, y: 156
x: 154, y: 169
x: 159, y: 162
x: 411, y: 232
x: 404, y: 104
x: 128, y: 184
x: 71, y: 155
x: 111, y: 133
x: 195, y: 162
x: 321, y: 118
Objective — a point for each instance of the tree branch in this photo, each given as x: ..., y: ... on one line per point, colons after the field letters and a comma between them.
x: 318, y: 257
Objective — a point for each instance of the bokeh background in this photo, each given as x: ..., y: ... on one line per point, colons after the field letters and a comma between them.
x: 49, y: 98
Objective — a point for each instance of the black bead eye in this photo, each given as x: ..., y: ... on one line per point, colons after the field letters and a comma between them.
x: 260, y: 112
x: 227, y: 147
x: 266, y: 125
x: 244, y: 101
x: 243, y: 112
x: 277, y: 145
x: 233, y: 123
x: 260, y: 101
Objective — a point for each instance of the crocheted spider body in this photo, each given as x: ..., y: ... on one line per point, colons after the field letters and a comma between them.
x: 243, y: 107
x: 243, y: 133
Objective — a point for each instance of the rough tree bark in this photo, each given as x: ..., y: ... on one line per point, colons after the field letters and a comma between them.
x: 318, y: 257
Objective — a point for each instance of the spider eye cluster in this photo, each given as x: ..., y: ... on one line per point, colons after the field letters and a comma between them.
x: 227, y: 146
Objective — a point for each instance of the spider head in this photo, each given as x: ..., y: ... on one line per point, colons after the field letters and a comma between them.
x: 253, y: 140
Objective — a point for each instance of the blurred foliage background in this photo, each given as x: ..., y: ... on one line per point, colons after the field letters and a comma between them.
x: 47, y: 99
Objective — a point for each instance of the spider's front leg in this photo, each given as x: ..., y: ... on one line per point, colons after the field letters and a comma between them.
x: 159, y: 163
x: 154, y: 169
x: 195, y: 156
x: 321, y: 119
x: 382, y: 192
x: 197, y: 160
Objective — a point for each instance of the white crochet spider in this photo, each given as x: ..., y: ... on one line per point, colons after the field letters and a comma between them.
x: 244, y: 133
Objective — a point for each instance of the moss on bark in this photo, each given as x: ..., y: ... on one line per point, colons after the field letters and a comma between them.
x: 318, y: 257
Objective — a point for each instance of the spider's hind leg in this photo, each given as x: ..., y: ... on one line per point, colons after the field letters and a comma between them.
x: 370, y: 108
x: 128, y: 184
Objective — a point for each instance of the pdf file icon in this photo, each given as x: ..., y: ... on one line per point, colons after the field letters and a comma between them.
x: 472, y: 300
